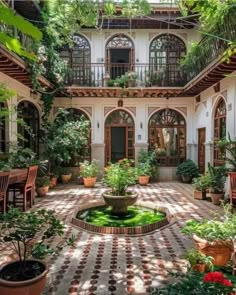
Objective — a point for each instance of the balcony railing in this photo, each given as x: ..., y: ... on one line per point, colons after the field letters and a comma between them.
x: 124, y: 75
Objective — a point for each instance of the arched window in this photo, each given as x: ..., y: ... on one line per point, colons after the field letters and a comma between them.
x: 76, y: 114
x: 119, y: 55
x: 167, y: 137
x: 78, y: 60
x: 2, y: 130
x: 219, y: 129
x: 166, y: 52
x: 119, y: 136
x: 29, y: 134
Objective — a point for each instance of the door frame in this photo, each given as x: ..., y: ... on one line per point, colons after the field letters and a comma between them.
x: 204, y: 155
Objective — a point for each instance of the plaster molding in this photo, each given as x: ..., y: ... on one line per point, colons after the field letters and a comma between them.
x: 88, y: 110
x: 107, y: 110
x: 152, y: 110
x: 132, y: 110
x: 183, y: 110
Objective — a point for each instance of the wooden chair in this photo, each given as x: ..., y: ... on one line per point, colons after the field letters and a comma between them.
x: 26, y: 189
x: 4, y: 180
x: 232, y: 179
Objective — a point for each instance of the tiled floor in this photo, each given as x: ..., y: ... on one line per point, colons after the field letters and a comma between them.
x: 112, y: 265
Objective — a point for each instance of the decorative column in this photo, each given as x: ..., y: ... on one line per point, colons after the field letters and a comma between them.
x: 12, y: 126
x: 141, y: 146
x: 209, y: 152
x: 192, y: 151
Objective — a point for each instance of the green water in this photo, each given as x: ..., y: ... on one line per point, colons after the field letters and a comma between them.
x: 136, y: 216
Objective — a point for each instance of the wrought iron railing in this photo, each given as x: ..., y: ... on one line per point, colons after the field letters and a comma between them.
x: 124, y: 75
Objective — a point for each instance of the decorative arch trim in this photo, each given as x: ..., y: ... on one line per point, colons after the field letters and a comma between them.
x: 117, y: 110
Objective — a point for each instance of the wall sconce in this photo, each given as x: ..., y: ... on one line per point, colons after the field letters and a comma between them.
x: 141, y: 125
x: 98, y: 125
x: 137, y: 59
x: 120, y: 103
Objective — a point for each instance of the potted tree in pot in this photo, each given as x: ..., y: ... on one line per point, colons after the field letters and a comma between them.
x: 198, y: 261
x: 89, y: 172
x: 201, y: 184
x: 144, y: 171
x: 217, y: 183
x: 42, y: 186
x: 214, y: 237
x: 19, y: 230
x: 118, y: 177
x: 187, y: 171
x: 65, y: 174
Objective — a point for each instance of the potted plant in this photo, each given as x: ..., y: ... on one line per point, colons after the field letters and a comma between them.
x: 42, y: 185
x: 198, y: 261
x: 187, y: 170
x: 53, y: 180
x: 201, y: 184
x: 65, y: 174
x: 132, y: 76
x: 18, y: 230
x: 144, y: 172
x: 118, y: 178
x: 150, y: 158
x: 217, y: 183
x: 214, y: 237
x: 89, y: 172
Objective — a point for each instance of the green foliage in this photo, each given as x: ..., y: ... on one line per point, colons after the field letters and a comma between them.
x: 195, y: 257
x: 221, y: 228
x: 42, y: 181
x: 67, y: 139
x: 4, y: 166
x: 150, y: 158
x: 64, y: 171
x: 22, y: 158
x: 192, y: 283
x: 88, y: 169
x: 119, y: 176
x: 20, y: 229
x: 144, y: 169
x: 228, y: 151
x: 187, y: 168
x: 5, y: 95
x: 217, y: 178
x: 202, y: 183
x: 134, y: 8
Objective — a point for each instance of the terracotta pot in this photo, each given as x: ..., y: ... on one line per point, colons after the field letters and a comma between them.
x: 120, y: 204
x: 220, y: 250
x: 216, y: 198
x: 89, y: 181
x: 199, y: 267
x: 66, y: 178
x: 143, y: 180
x: 30, y: 287
x: 199, y: 195
x: 186, y: 178
x: 53, y: 181
x: 131, y: 83
x: 42, y: 191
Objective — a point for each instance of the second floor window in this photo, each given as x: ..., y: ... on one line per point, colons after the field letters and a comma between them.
x: 166, y: 52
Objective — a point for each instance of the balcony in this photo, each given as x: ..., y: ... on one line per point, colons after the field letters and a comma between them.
x: 124, y: 75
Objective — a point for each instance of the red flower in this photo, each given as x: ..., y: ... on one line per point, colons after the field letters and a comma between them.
x: 217, y: 277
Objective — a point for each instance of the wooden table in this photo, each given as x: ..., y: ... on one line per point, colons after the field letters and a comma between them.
x: 17, y: 175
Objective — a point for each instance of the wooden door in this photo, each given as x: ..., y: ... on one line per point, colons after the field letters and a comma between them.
x: 201, y: 149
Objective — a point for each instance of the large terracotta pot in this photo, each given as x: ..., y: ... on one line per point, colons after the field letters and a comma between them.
x: 216, y: 198
x: 66, y: 178
x: 120, y: 204
x: 89, y: 181
x: 33, y: 286
x: 220, y: 250
x: 42, y: 191
x: 53, y: 181
x: 199, y: 195
x: 143, y: 180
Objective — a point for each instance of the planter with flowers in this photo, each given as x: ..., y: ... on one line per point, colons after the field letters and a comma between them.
x: 199, y: 261
x: 144, y: 171
x: 214, y: 237
x: 42, y: 186
x: 118, y: 178
x: 18, y: 230
x: 201, y: 184
x: 89, y: 172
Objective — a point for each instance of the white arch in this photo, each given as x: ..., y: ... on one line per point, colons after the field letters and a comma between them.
x: 77, y: 108
x: 86, y: 38
x: 166, y: 33
x: 213, y: 109
x: 119, y: 109
x: 171, y: 108
x: 109, y: 38
x: 34, y: 103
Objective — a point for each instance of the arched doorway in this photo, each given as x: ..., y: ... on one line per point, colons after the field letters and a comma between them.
x: 78, y: 60
x: 119, y: 136
x: 167, y: 137
x: 119, y: 55
x: 73, y: 115
x: 219, y: 130
x: 165, y: 54
x: 29, y: 137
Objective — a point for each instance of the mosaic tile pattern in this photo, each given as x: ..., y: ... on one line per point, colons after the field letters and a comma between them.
x: 112, y: 265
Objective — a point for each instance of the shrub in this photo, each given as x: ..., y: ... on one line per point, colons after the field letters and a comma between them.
x: 188, y: 168
x: 88, y: 169
x: 202, y: 183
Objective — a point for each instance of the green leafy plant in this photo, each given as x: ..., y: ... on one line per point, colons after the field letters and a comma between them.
x: 119, y: 176
x: 150, y: 158
x: 64, y: 171
x: 18, y: 230
x: 4, y: 166
x: 228, y: 151
x: 202, y: 183
x: 218, y: 228
x: 42, y: 181
x: 217, y: 178
x: 194, y: 283
x: 22, y: 158
x: 195, y: 257
x: 88, y: 169
x: 144, y: 169
x: 187, y: 168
